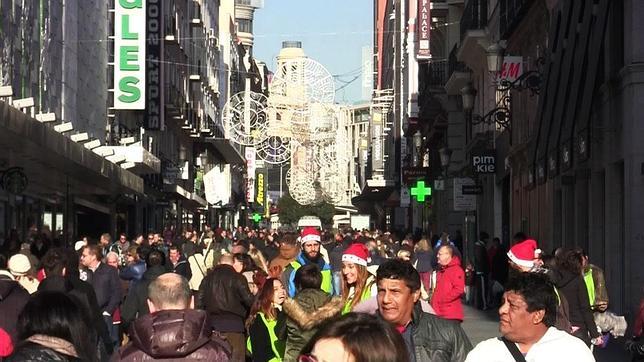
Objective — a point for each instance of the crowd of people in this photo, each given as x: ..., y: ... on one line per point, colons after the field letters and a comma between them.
x: 263, y: 295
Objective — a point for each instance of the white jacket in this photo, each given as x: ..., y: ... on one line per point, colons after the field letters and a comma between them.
x: 555, y: 345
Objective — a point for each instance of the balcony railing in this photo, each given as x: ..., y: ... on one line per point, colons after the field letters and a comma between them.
x: 511, y: 13
x: 474, y: 16
x: 436, y: 73
x: 453, y: 65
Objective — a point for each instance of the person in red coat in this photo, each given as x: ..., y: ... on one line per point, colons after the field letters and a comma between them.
x: 450, y: 285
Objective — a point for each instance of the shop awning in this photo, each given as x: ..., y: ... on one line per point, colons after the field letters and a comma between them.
x: 54, y: 164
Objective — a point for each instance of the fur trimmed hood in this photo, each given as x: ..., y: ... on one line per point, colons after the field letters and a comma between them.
x: 308, y: 315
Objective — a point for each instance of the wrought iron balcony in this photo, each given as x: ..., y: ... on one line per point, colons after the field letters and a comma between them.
x: 474, y: 16
x: 510, y: 14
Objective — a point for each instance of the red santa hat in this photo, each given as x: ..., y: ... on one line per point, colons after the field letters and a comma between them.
x: 357, y: 254
x: 310, y: 233
x: 524, y: 253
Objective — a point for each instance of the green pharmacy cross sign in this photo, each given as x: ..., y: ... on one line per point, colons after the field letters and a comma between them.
x: 420, y: 191
x: 257, y: 217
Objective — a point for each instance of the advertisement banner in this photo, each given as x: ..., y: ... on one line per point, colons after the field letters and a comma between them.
x: 129, y: 54
x: 251, y: 157
x: 153, y: 67
x: 377, y: 124
x: 424, y: 26
x: 261, y: 178
x: 217, y: 185
x: 463, y: 202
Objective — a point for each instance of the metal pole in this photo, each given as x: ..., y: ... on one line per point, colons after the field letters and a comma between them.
x: 281, y: 176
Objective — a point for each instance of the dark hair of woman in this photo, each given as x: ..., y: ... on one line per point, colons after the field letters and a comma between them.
x: 56, y: 314
x: 571, y: 261
x: 246, y: 260
x: 366, y: 337
x: 263, y: 302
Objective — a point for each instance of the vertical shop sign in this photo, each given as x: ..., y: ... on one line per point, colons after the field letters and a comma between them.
x: 250, y: 154
x: 153, y: 70
x: 376, y: 145
x: 424, y: 26
x: 129, y: 54
x: 260, y: 190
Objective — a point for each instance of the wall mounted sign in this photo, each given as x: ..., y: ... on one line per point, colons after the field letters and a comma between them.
x: 129, y: 54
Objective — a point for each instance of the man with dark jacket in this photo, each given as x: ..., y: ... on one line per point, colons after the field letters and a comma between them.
x: 107, y: 286
x: 224, y: 294
x: 135, y: 304
x: 428, y: 337
x: 178, y: 263
x: 61, y: 274
x: 13, y: 298
x: 173, y: 330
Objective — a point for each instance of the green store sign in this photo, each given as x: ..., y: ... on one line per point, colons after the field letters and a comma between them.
x: 129, y: 54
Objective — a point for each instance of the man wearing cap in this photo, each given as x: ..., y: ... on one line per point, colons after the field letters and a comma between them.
x: 310, y: 254
x: 21, y: 269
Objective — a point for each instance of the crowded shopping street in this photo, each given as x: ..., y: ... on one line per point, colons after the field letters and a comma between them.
x: 321, y: 181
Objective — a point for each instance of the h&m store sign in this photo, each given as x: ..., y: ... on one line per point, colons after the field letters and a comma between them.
x: 483, y: 161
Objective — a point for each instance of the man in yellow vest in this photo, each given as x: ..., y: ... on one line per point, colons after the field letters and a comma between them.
x: 310, y: 254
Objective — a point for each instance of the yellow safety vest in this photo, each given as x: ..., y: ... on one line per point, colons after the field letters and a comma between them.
x: 270, y: 326
x: 590, y: 286
x: 366, y: 294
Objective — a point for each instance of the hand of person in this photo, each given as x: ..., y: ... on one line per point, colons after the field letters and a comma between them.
x: 597, y: 341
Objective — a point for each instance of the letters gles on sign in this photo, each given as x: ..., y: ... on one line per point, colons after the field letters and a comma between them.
x: 129, y: 54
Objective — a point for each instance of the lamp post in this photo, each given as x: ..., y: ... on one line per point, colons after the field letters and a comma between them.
x: 500, y: 115
x: 418, y: 144
x: 494, y: 55
x: 445, y: 155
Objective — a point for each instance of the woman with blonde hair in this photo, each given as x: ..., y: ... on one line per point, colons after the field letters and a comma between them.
x: 259, y: 259
x: 423, y: 262
x: 357, y: 283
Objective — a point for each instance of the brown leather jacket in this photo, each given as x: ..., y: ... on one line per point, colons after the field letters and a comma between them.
x: 174, y: 335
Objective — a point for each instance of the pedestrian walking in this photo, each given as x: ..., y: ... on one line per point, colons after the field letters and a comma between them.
x: 13, y: 298
x: 136, y: 302
x: 22, y: 270
x: 173, y: 330
x: 310, y: 308
x: 427, y: 337
x: 356, y: 337
x: 482, y: 271
x: 224, y: 294
x: 178, y: 263
x: 310, y: 254
x: 265, y: 314
x: 450, y: 285
x: 357, y: 283
x: 53, y: 327
x: 527, y: 319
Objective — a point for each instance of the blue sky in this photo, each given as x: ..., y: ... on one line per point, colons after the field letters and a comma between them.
x: 332, y: 32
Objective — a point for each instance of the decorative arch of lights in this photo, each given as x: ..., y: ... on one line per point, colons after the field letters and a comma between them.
x: 299, y: 124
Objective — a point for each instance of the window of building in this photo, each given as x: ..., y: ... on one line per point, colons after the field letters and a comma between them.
x: 244, y: 25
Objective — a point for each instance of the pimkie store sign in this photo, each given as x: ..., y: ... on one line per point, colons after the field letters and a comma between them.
x: 424, y: 25
x: 129, y: 54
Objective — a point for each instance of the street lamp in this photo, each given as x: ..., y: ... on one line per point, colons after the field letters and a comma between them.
x: 494, y: 55
x: 445, y: 156
x: 418, y: 144
x: 469, y: 94
x: 500, y: 115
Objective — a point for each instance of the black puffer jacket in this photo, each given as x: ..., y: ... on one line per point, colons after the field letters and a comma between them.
x: 224, y: 294
x: 573, y: 288
x: 13, y: 298
x: 36, y: 353
x: 174, y: 335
